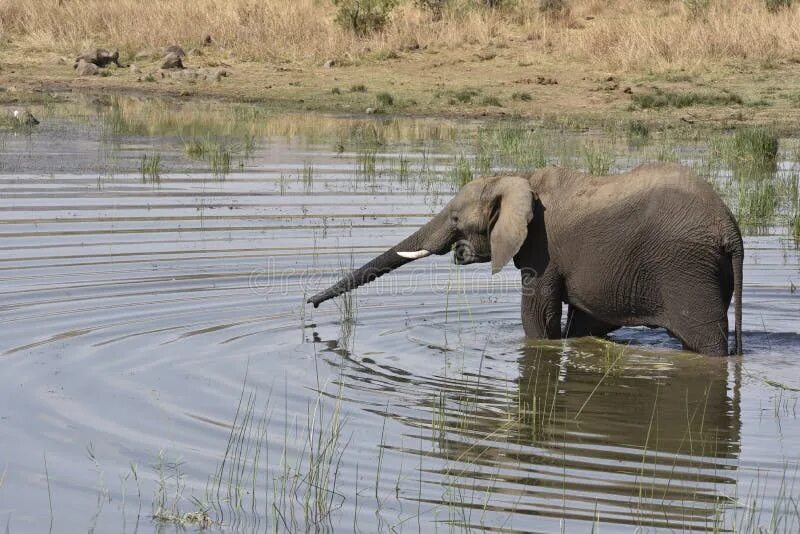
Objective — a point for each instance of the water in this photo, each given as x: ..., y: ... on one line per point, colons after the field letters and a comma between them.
x: 157, y: 357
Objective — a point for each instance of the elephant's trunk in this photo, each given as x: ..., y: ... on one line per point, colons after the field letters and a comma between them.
x: 436, y: 237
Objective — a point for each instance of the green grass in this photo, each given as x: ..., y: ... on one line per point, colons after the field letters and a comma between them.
x: 521, y: 96
x: 366, y: 164
x: 403, y: 168
x: 384, y: 99
x: 461, y: 96
x: 358, y: 88
x: 637, y: 131
x: 491, y: 101
x: 757, y: 203
x: 150, y: 167
x: 597, y: 160
x: 754, y: 147
x: 461, y: 171
x: 514, y: 145
x: 664, y: 99
x: 308, y: 177
x: 220, y: 161
x: 219, y: 153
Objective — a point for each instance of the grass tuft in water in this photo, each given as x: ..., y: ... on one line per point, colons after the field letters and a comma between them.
x: 597, y: 160
x: 754, y: 147
x: 220, y: 160
x: 461, y: 172
x: 638, y: 132
x: 403, y: 169
x: 366, y: 164
x: 512, y: 145
x: 150, y: 167
x: 308, y: 177
x: 757, y: 203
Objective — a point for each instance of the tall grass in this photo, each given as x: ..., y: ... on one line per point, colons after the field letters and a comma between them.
x: 622, y: 34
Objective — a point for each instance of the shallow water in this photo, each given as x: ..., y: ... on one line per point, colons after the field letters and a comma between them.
x: 156, y: 351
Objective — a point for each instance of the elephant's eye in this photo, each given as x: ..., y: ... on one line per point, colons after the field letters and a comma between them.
x: 454, y: 218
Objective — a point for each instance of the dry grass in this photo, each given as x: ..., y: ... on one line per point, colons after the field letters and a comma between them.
x: 621, y: 34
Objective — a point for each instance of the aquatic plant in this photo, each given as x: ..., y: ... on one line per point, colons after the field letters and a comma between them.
x: 597, y: 160
x: 308, y: 177
x: 150, y: 167
x: 754, y: 148
x: 461, y: 171
x: 365, y: 164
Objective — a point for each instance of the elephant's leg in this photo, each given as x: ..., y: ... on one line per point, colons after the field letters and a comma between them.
x: 580, y: 324
x: 541, y: 306
x: 699, y: 318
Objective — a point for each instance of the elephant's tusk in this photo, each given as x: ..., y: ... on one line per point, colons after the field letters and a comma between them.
x: 414, y: 255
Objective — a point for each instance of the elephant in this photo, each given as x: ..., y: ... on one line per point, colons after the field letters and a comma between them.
x: 655, y: 246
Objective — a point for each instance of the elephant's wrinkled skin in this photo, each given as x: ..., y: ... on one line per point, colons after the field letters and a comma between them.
x: 655, y: 247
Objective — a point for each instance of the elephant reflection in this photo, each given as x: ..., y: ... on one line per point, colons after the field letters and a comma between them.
x: 591, y: 432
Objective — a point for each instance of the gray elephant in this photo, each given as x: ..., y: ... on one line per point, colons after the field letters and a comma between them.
x: 653, y: 247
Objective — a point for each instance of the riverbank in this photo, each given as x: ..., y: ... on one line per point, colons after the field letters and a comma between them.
x: 631, y: 61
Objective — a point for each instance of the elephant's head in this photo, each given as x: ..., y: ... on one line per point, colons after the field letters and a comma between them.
x: 486, y: 221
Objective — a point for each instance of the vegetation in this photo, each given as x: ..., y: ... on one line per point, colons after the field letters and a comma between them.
x: 775, y: 6
x: 385, y: 99
x: 150, y: 167
x: 316, y: 30
x: 756, y: 147
x: 662, y: 99
x: 363, y: 16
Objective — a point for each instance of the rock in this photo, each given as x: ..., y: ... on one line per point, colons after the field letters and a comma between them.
x: 370, y: 111
x: 207, y: 40
x: 24, y: 117
x: 174, y: 49
x: 84, y: 68
x: 329, y: 64
x: 627, y: 91
x: 99, y: 57
x: 172, y: 61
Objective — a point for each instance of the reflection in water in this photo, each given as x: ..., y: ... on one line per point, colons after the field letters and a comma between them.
x: 587, y: 432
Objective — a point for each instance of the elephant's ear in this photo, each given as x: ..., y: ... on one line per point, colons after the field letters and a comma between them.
x: 514, y: 210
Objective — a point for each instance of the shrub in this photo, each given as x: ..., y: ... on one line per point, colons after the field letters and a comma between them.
x: 385, y: 99
x: 696, y: 8
x: 434, y: 6
x: 774, y: 6
x: 363, y: 17
x: 554, y: 9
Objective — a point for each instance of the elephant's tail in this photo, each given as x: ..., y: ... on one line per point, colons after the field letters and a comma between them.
x: 737, y: 259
